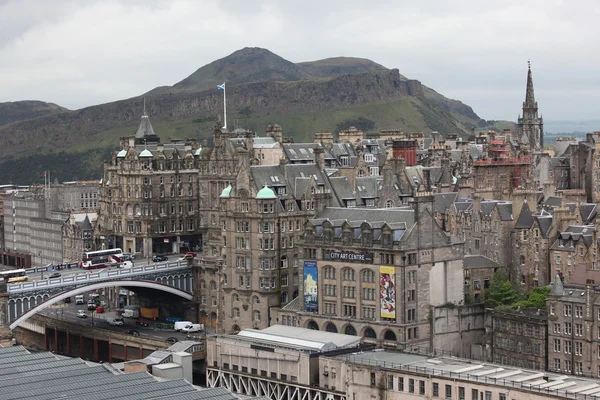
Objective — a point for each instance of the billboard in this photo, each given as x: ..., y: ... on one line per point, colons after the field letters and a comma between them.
x: 311, y: 279
x: 387, y: 292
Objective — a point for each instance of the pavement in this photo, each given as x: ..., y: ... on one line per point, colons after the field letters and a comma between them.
x: 68, y: 313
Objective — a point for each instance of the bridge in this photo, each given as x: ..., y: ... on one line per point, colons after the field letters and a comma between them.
x: 26, y: 299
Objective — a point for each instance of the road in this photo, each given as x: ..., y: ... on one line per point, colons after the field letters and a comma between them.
x: 75, y: 271
x: 69, y: 313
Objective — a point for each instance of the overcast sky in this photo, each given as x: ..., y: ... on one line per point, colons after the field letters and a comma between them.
x: 81, y: 53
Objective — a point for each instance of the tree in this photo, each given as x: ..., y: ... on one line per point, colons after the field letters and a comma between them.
x: 500, y: 292
x: 536, y: 299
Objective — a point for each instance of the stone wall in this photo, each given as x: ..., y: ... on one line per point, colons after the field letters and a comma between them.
x: 458, y: 330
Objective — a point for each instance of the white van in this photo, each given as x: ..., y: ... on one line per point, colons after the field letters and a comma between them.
x: 117, y: 321
x: 79, y: 299
x: 179, y: 325
x: 193, y: 328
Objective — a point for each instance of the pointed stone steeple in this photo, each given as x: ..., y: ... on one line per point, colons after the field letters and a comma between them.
x: 558, y: 288
x: 529, y: 95
x: 531, y: 126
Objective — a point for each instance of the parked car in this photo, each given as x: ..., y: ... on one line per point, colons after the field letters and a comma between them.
x: 81, y: 314
x: 68, y: 300
x: 54, y: 275
x: 99, y: 310
x: 91, y: 306
x: 172, y: 339
x: 159, y: 257
x: 133, y: 332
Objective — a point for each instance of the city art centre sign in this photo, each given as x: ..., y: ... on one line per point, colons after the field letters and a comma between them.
x: 348, y: 256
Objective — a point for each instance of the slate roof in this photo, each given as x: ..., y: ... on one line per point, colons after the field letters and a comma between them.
x: 294, y: 305
x: 525, y: 220
x: 588, y: 212
x: 477, y: 261
x: 145, y: 128
x: 300, y: 152
x: 505, y: 211
x: 42, y: 376
x: 443, y: 201
x: 544, y: 223
x: 553, y: 201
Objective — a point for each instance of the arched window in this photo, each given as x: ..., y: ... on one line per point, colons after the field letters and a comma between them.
x: 257, y: 316
x: 329, y: 272
x: 330, y: 327
x: 350, y: 330
x: 370, y: 333
x: 389, y: 335
x: 313, y: 325
x: 236, y: 312
x: 256, y: 300
x: 389, y: 204
x: 348, y: 274
x: 284, y: 297
x: 202, y: 284
x: 235, y: 297
x: 368, y: 276
x: 213, y: 285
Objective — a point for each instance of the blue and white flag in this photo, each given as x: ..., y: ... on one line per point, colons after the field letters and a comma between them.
x: 221, y: 87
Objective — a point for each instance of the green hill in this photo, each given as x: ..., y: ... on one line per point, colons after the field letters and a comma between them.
x: 262, y: 88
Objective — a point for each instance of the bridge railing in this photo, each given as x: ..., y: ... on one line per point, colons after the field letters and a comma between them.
x: 98, y: 275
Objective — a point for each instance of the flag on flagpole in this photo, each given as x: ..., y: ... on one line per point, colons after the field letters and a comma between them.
x: 221, y: 87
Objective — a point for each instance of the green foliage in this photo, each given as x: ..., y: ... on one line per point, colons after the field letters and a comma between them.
x: 536, y: 299
x: 500, y: 292
x: 360, y: 123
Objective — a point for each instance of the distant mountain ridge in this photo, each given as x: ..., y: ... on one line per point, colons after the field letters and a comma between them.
x: 262, y: 88
x: 13, y: 111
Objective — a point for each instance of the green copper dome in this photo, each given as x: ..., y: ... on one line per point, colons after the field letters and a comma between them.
x: 146, y: 153
x: 226, y: 192
x: 122, y: 153
x: 266, y: 193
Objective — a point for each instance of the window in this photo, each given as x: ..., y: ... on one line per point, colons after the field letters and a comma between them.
x: 488, y: 395
x: 390, y: 382
x: 568, y: 310
x: 578, y: 311
x: 373, y: 379
x: 436, y: 389
x: 578, y: 330
x: 557, y: 364
x: 422, y: 388
x: 578, y: 348
x: 568, y: 328
x: 568, y: 347
x: 502, y: 396
x: 461, y: 393
x: 401, y: 383
x: 411, y: 385
x: 474, y: 394
x: 553, y: 310
x: 448, y: 391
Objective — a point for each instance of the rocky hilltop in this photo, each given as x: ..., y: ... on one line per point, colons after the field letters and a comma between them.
x: 21, y: 110
x: 261, y: 88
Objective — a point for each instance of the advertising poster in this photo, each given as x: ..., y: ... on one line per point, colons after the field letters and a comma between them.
x: 311, y: 299
x: 387, y: 292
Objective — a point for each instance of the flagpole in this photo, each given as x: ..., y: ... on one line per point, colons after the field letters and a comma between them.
x: 224, y: 106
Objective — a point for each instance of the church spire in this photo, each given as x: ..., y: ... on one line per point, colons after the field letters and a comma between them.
x: 529, y: 95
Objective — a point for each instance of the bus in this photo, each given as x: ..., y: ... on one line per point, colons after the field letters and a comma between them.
x: 14, y: 276
x: 101, y: 258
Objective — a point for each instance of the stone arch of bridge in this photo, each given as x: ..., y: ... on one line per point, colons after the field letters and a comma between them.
x: 98, y: 285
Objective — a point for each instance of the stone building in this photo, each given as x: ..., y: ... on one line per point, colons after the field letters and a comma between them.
x: 400, y: 264
x: 531, y: 125
x: 519, y: 338
x: 478, y: 274
x: 573, y: 329
x: 150, y: 195
x: 77, y: 234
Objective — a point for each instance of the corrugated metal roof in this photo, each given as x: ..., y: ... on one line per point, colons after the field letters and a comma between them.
x: 42, y: 376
